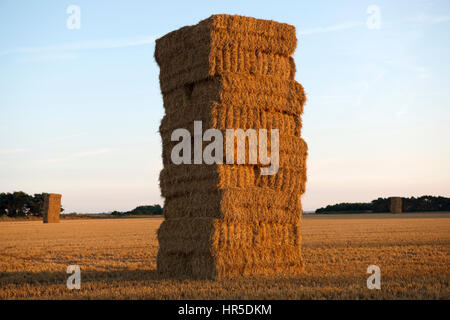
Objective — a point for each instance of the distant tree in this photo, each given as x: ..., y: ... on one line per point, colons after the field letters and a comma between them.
x: 18, y: 204
x: 341, y: 207
x: 3, y: 204
x: 141, y: 210
x: 381, y: 205
x: 36, y: 204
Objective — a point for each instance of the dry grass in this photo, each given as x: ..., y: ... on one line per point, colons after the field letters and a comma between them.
x: 118, y: 260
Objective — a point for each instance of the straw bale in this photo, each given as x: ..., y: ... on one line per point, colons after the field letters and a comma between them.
x: 219, y: 31
x: 209, y: 234
x: 287, y: 96
x: 51, y: 208
x: 183, y: 70
x: 292, y: 150
x: 250, y: 205
x: 225, y: 44
x: 395, y: 205
x: 223, y: 117
x: 208, y: 178
x: 248, y: 262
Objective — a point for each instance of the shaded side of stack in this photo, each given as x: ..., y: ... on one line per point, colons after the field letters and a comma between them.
x: 223, y: 220
x: 395, y: 205
x: 51, y: 208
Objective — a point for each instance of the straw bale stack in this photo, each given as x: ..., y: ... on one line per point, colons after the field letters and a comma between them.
x: 228, y: 220
x: 395, y: 205
x: 51, y: 208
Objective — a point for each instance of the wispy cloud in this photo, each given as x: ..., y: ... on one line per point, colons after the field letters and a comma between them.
x: 333, y: 28
x: 71, y: 136
x: 58, y: 49
x: 79, y: 155
x: 421, y: 72
x: 427, y: 19
x: 423, y: 19
x: 12, y: 151
x: 49, y: 57
x: 403, y: 111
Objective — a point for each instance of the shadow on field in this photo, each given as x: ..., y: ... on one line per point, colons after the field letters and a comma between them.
x: 51, y: 277
x: 60, y: 278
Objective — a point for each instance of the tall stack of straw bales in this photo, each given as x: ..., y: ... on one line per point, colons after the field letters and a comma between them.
x: 51, y: 208
x: 395, y: 205
x: 228, y: 220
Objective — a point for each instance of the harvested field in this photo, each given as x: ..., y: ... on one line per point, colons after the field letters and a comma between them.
x: 118, y: 260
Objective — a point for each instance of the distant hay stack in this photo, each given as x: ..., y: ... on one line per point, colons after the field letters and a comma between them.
x: 228, y: 220
x: 396, y: 205
x: 51, y: 208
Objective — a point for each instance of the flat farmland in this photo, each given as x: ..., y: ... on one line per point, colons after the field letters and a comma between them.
x: 117, y: 258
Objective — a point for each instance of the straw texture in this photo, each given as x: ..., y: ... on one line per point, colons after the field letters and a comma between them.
x: 51, y: 208
x: 395, y: 205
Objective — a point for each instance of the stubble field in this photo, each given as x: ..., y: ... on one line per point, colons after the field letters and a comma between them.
x: 117, y: 258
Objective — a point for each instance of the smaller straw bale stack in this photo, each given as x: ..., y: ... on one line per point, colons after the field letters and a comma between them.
x: 51, y: 208
x: 396, y: 205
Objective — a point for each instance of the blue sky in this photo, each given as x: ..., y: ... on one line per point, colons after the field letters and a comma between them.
x: 80, y: 108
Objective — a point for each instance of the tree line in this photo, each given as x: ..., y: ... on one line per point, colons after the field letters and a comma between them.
x: 141, y: 210
x: 20, y: 204
x: 412, y: 204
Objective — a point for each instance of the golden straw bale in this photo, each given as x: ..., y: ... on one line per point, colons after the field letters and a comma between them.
x: 222, y: 30
x: 292, y: 150
x: 180, y: 179
x: 51, y: 208
x: 223, y: 44
x: 183, y: 70
x: 235, y: 205
x: 223, y: 116
x: 249, y: 262
x: 395, y: 205
x: 209, y: 234
x: 242, y: 91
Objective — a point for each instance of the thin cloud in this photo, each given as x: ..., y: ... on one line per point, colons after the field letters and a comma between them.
x: 351, y: 25
x: 12, y: 151
x: 424, y: 76
x: 403, y: 111
x: 421, y: 72
x: 334, y: 28
x: 80, y: 46
x: 49, y: 57
x: 427, y: 19
x: 71, y: 136
x: 79, y: 155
